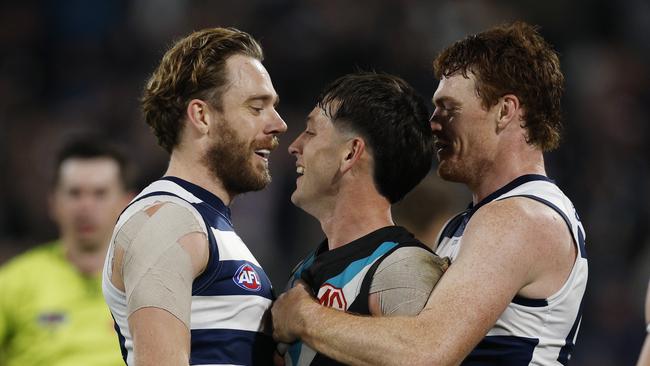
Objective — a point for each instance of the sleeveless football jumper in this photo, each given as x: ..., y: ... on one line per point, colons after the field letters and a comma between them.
x: 341, y: 279
x: 530, y: 331
x: 230, y: 298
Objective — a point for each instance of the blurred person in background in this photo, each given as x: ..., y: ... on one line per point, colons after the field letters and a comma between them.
x: 366, y: 144
x: 51, y: 308
x: 644, y: 358
x: 180, y: 283
x: 513, y: 293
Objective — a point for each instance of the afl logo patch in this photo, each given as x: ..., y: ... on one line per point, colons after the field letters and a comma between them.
x: 247, y: 278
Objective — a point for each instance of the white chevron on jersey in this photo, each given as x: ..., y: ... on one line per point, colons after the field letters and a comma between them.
x: 231, y: 247
x: 235, y: 312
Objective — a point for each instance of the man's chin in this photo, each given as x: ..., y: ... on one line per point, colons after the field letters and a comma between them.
x: 89, y: 244
x: 447, y: 172
x: 294, y: 198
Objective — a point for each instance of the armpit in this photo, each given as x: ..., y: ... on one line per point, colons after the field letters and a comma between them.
x: 404, y: 280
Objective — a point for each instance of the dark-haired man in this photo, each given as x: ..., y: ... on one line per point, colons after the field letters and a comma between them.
x: 51, y: 308
x: 513, y: 293
x: 180, y: 283
x: 367, y: 143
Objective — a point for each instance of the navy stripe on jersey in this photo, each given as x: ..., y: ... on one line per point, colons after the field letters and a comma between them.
x: 227, y: 286
x: 213, y: 268
x: 204, y: 195
x: 456, y: 226
x: 120, y: 339
x: 567, y: 349
x: 536, y: 303
x: 581, y: 243
x: 509, y: 187
x: 221, y: 221
x: 502, y: 351
x: 231, y: 346
x: 564, y: 217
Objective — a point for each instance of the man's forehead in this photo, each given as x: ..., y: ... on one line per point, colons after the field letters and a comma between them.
x: 317, y: 115
x: 249, y: 76
x: 453, y: 85
x: 88, y: 169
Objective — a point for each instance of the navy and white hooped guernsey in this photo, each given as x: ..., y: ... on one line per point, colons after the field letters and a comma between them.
x: 229, y: 299
x: 530, y: 331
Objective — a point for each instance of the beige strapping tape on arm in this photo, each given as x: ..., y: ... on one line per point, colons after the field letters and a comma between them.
x: 157, y: 271
x: 404, y: 280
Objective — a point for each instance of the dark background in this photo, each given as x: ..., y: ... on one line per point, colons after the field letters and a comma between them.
x: 68, y: 67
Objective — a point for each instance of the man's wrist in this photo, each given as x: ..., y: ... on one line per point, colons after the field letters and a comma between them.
x: 307, y: 313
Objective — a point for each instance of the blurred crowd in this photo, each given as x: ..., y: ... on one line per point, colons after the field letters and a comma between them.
x: 72, y: 67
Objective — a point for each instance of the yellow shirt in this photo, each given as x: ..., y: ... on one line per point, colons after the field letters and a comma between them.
x: 51, y: 314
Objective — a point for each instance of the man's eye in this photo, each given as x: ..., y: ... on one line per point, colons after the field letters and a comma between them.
x: 257, y: 109
x: 310, y: 133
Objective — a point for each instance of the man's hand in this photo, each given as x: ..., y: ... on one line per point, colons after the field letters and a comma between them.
x: 289, y: 312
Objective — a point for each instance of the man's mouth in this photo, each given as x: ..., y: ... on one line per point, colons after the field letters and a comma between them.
x: 263, y: 153
x: 300, y: 170
x: 442, y: 147
x: 85, y: 228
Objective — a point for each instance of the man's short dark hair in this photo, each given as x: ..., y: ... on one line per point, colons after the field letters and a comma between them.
x: 92, y: 147
x: 393, y: 121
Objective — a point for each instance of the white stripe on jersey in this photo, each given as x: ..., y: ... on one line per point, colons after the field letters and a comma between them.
x: 307, y: 355
x: 231, y: 247
x: 229, y: 312
x: 168, y: 186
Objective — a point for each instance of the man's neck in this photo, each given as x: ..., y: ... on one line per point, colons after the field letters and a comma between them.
x: 198, y: 174
x: 504, y: 171
x: 354, y: 217
x: 87, y: 261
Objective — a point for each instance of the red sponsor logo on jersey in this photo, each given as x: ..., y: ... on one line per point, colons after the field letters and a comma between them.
x: 332, y: 297
x: 247, y: 278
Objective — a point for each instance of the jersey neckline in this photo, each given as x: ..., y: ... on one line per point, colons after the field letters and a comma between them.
x: 507, y: 188
x: 203, y: 194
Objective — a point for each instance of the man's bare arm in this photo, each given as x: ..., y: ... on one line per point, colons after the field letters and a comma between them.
x: 159, y: 256
x: 502, y: 252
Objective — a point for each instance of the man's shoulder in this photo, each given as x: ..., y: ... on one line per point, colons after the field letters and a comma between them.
x: 414, y: 258
x: 515, y: 212
x: 517, y: 226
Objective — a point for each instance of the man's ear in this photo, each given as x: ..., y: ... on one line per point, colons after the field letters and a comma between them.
x: 509, y: 111
x: 198, y: 115
x: 352, y: 152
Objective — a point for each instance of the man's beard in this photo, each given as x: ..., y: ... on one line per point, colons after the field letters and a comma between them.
x: 229, y: 160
